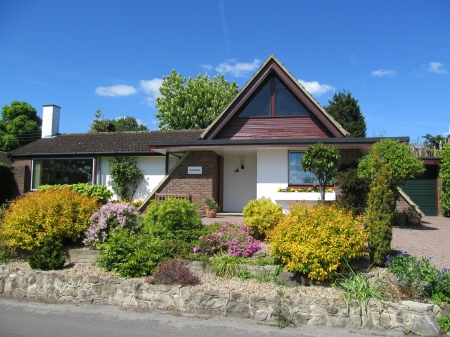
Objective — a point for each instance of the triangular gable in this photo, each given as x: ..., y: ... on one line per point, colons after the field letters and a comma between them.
x: 313, y: 122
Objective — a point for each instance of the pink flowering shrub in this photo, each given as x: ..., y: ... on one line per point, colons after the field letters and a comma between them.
x: 232, y: 239
x: 107, y: 219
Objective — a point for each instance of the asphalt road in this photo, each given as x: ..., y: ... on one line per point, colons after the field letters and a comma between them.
x: 31, y: 319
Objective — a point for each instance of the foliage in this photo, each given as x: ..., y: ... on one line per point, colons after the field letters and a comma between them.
x: 192, y: 103
x: 131, y: 254
x: 346, y: 111
x: 419, y: 276
x: 261, y: 215
x: 316, y: 239
x: 49, y: 257
x: 100, y: 192
x: 128, y: 124
x: 8, y: 185
x: 361, y: 289
x: 125, y: 176
x: 322, y: 161
x: 19, y: 125
x: 404, y: 165
x: 380, y: 211
x: 284, y: 319
x: 354, y: 189
x: 444, y: 322
x: 107, y: 219
x: 44, y: 216
x: 444, y: 175
x: 434, y: 141
x: 211, y: 204
x: 225, y: 265
x: 100, y: 124
x: 174, y: 271
x: 232, y: 239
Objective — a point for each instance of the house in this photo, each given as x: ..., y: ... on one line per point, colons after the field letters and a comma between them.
x: 252, y: 149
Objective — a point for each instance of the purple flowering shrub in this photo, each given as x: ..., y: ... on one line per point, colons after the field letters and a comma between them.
x: 231, y: 239
x: 107, y: 219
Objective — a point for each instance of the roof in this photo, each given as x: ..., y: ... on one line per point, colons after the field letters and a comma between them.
x: 105, y: 143
x: 4, y: 159
x: 272, y: 64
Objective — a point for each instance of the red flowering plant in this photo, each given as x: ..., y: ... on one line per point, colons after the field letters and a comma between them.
x: 231, y: 239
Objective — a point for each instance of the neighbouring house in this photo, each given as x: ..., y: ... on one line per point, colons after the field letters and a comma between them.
x: 251, y: 150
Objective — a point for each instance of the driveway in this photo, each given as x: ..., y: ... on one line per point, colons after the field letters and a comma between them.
x: 429, y: 240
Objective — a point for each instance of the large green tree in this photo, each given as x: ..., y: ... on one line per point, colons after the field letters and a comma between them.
x: 100, y: 124
x: 346, y: 111
x: 192, y: 103
x: 19, y: 125
x: 128, y: 124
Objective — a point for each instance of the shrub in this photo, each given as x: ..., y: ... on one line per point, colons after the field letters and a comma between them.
x: 49, y: 257
x: 165, y: 217
x: 131, y: 254
x: 107, y: 219
x: 174, y: 271
x: 261, y: 215
x: 44, y: 216
x: 8, y: 185
x: 125, y: 176
x: 380, y: 212
x: 232, y: 239
x: 354, y: 189
x: 100, y: 192
x: 316, y: 239
x: 444, y: 175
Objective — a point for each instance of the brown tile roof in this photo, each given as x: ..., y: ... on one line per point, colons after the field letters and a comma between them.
x: 103, y: 142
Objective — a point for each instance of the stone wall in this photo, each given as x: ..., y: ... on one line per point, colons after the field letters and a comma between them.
x: 135, y: 294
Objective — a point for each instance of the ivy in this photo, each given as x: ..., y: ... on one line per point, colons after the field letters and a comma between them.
x: 126, y: 176
x: 444, y: 175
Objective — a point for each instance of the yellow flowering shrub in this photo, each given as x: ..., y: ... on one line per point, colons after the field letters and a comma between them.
x: 261, y: 215
x: 316, y: 239
x: 39, y: 217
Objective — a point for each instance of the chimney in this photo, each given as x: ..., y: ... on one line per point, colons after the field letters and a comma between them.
x: 50, y: 120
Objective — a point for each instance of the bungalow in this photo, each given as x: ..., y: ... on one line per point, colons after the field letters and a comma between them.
x: 252, y: 148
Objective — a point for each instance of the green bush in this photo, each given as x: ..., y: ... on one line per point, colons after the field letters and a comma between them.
x: 354, y: 189
x: 444, y: 175
x: 8, y: 185
x: 49, y: 257
x: 315, y: 240
x: 380, y: 212
x: 261, y: 215
x: 100, y: 192
x: 44, y: 216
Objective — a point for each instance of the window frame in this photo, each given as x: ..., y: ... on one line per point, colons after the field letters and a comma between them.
x: 302, y: 185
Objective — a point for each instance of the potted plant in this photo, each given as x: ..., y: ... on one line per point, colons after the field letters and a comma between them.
x: 211, y: 207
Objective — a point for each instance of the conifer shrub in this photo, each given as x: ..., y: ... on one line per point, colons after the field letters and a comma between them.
x: 100, y: 192
x: 261, y: 215
x: 8, y: 185
x: 380, y: 212
x: 107, y: 219
x: 315, y: 240
x: 48, y: 257
x: 37, y: 218
x: 354, y: 189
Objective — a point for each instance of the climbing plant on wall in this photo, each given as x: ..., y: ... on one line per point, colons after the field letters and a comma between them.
x: 125, y: 175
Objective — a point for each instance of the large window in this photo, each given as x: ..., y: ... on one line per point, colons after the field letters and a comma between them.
x: 62, y: 171
x: 296, y: 175
x: 274, y: 99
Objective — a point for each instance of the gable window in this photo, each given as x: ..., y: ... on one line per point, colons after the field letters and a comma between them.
x: 296, y: 175
x: 61, y: 171
x: 274, y: 99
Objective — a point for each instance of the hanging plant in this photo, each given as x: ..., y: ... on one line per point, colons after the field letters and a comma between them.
x: 125, y: 175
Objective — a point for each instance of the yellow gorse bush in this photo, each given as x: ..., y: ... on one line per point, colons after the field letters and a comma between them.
x: 316, y: 239
x: 38, y: 217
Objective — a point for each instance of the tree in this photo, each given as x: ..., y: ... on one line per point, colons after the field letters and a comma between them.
x: 100, y: 124
x: 19, y: 125
x: 403, y: 164
x: 192, y: 103
x: 128, y: 124
x: 322, y: 161
x: 125, y: 176
x: 434, y: 141
x: 346, y: 111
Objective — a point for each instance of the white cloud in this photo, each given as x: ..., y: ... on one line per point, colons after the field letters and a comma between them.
x: 382, y: 73
x: 315, y: 88
x: 438, y: 68
x: 151, y: 87
x: 207, y: 66
x: 238, y: 69
x: 116, y: 90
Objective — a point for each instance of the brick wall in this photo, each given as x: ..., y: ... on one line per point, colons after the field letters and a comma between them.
x: 22, y: 174
x: 350, y: 155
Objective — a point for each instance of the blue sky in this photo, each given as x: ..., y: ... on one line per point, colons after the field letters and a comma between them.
x: 393, y: 56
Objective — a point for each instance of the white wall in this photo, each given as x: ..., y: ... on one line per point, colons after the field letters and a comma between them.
x: 239, y: 187
x: 153, y: 169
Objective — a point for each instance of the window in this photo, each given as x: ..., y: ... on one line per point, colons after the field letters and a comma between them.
x: 62, y: 171
x: 296, y: 175
x: 273, y: 99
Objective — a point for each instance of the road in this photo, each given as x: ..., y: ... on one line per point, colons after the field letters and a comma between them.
x: 31, y: 319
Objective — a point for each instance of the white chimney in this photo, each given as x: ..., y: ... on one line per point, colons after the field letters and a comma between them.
x: 50, y: 120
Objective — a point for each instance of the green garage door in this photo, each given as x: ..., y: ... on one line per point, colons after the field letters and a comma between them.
x: 423, y: 190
